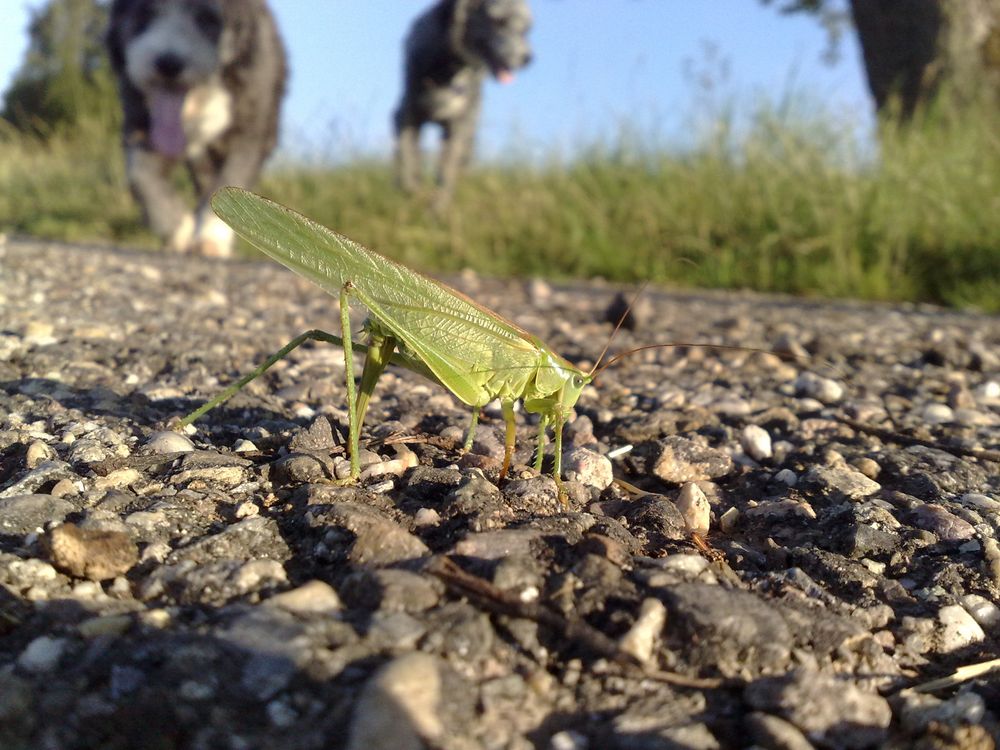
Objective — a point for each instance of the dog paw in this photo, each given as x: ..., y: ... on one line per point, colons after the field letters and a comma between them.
x: 180, y: 241
x: 214, y: 238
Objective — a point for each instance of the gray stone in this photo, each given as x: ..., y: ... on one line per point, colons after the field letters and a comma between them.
x: 399, y: 706
x: 42, y: 654
x: 24, y: 514
x: 830, y: 711
x: 839, y: 482
x: 45, y: 473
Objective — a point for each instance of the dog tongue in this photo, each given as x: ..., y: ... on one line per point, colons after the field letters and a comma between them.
x: 167, y: 131
x: 505, y: 76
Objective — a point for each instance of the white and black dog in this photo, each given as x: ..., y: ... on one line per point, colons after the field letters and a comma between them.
x: 200, y: 81
x: 448, y: 53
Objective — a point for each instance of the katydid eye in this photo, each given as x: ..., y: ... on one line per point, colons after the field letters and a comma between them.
x: 578, y: 381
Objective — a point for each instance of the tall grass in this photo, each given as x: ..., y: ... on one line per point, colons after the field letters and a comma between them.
x: 787, y: 201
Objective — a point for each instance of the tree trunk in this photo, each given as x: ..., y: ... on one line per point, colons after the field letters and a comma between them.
x: 912, y: 47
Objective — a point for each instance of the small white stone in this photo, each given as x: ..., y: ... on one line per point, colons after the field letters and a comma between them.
x: 169, y: 442
x: 937, y: 414
x: 983, y: 611
x: 693, y: 505
x: 692, y: 565
x: 426, y: 517
x: 311, y: 597
x: 244, y: 446
x: 568, y: 740
x: 822, y: 389
x: 247, y: 509
x: 957, y: 629
x: 38, y: 452
x: 787, y: 476
x: 640, y: 641
x: 42, y: 654
x: 729, y: 520
x: 989, y: 391
x: 756, y: 442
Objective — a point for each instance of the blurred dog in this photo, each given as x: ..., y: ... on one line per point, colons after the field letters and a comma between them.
x: 200, y: 81
x: 448, y: 53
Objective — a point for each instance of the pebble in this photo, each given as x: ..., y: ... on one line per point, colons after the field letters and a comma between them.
x: 982, y: 502
x: 399, y: 706
x: 957, y: 629
x: 944, y: 525
x: 425, y: 517
x: 38, y: 452
x: 983, y: 611
x: 787, y: 477
x: 37, y: 478
x: 841, y: 482
x: 378, y: 540
x: 867, y: 466
x: 831, y: 711
x: 681, y: 460
x: 113, y: 625
x: 39, y: 333
x: 313, y: 597
x: 918, y: 711
x: 693, y: 505
x: 756, y: 441
x: 568, y: 740
x: 937, y: 414
x: 117, y: 479
x: 729, y: 520
x: 25, y: 514
x: 168, y: 442
x: 587, y: 467
x: 641, y: 639
x: 64, y: 488
x: 92, y: 553
x: 42, y: 654
x: 822, y: 389
x: 244, y: 446
x: 770, y: 731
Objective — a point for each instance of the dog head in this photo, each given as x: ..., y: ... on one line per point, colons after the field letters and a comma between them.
x: 165, y: 48
x: 496, y: 32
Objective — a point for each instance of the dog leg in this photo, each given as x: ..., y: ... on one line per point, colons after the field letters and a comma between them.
x: 163, y: 209
x: 407, y: 155
x: 456, y: 152
x: 212, y: 236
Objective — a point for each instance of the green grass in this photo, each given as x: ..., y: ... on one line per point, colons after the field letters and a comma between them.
x: 787, y: 203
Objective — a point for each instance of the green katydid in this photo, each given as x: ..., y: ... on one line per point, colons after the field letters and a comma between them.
x: 414, y: 321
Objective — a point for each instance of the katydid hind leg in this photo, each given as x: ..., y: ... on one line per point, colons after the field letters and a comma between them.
x: 353, y: 427
x: 312, y: 335
x: 510, y: 434
x: 557, y: 428
x: 543, y: 422
x: 470, y: 436
x: 380, y: 350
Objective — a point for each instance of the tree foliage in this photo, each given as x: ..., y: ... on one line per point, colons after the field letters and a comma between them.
x: 65, y: 75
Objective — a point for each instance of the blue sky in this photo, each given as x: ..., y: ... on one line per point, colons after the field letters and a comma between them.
x: 598, y: 65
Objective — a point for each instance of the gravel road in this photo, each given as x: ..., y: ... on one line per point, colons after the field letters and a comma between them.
x: 792, y: 544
